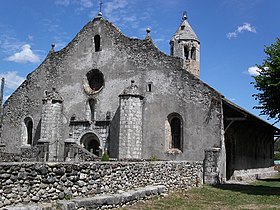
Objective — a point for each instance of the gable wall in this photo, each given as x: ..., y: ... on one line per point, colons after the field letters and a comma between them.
x: 121, y: 60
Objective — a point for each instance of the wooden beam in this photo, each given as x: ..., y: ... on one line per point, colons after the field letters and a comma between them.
x: 235, y: 118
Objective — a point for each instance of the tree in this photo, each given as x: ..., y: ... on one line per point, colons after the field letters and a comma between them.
x: 268, y: 83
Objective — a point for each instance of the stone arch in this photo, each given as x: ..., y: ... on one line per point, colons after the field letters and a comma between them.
x: 174, y: 131
x: 193, y: 53
x: 186, y: 52
x: 91, y: 142
x: 97, y: 43
x: 27, y: 131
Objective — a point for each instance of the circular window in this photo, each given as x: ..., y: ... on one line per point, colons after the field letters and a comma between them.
x: 94, y: 81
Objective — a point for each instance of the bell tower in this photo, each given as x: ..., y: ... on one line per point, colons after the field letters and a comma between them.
x: 186, y: 45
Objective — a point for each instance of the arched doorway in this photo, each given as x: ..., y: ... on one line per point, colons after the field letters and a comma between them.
x: 91, y: 143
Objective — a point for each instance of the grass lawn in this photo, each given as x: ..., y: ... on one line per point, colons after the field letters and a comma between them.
x: 263, y: 194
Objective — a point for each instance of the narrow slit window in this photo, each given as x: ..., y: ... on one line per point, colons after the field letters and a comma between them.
x: 97, y: 43
x: 149, y: 87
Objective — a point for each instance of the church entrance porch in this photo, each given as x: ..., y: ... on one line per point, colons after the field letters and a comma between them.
x: 91, y: 143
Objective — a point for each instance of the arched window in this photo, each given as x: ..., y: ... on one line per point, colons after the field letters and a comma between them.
x: 193, y: 53
x: 174, y: 131
x: 97, y: 43
x: 27, y: 131
x: 186, y: 52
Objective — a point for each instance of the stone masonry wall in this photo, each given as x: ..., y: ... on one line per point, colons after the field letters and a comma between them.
x: 130, y: 135
x: 51, y: 129
x: 38, y: 182
x: 211, y: 168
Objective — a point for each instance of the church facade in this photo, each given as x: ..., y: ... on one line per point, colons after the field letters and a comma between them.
x: 108, y: 93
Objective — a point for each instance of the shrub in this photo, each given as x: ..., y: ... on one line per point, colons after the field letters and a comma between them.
x: 153, y: 158
x: 277, y: 156
x: 105, y: 157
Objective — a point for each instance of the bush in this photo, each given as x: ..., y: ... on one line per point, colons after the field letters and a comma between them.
x: 105, y: 157
x: 154, y: 158
x: 277, y: 156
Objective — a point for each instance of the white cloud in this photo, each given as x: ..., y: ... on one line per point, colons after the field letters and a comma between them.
x: 82, y: 3
x: 240, y: 29
x: 253, y: 71
x: 114, y: 5
x: 86, y: 3
x: 62, y: 2
x: 25, y: 55
x: 8, y: 41
x: 231, y: 35
x: 30, y: 37
x: 246, y: 27
x: 12, y: 79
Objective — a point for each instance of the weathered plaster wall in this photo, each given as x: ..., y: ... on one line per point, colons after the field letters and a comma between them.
x: 26, y: 101
x: 121, y: 60
x: 37, y: 182
x: 199, y: 106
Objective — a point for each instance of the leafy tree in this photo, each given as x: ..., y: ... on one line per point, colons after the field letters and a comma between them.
x: 277, y: 156
x: 277, y: 146
x: 268, y: 83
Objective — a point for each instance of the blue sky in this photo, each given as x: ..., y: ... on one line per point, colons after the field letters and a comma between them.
x: 233, y: 34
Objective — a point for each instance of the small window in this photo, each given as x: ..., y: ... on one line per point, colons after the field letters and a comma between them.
x: 186, y: 52
x: 149, y: 87
x: 172, y: 49
x: 97, y: 43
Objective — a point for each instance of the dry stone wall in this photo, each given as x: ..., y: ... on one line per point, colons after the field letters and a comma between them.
x: 42, y: 182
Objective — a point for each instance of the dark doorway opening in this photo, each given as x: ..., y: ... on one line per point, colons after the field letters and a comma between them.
x: 91, y: 143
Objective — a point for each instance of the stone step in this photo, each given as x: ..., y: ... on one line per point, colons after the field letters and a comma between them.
x: 105, y: 201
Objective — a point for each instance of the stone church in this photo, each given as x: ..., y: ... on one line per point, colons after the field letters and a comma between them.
x: 108, y: 93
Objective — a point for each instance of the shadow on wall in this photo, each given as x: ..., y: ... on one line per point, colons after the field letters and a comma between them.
x: 114, y: 135
x: 37, y: 133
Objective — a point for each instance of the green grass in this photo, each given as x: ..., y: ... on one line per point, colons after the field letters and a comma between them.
x: 263, y: 194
